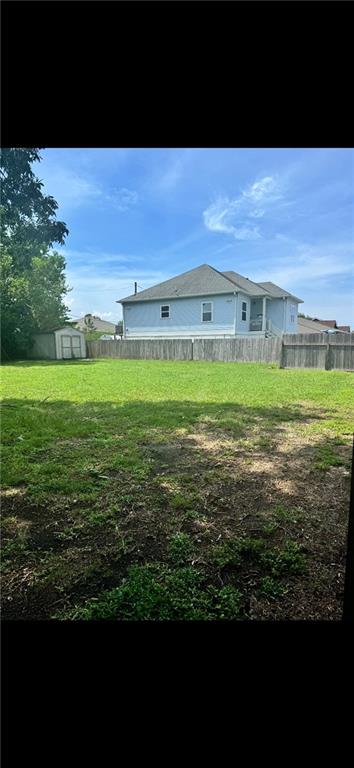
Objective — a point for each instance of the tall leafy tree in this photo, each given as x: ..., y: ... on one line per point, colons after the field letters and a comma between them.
x: 32, y: 276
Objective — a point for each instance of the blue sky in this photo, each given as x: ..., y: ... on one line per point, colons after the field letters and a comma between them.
x: 284, y: 215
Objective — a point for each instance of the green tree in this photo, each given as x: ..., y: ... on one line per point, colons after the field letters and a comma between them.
x: 88, y: 320
x: 32, y: 277
x: 119, y: 328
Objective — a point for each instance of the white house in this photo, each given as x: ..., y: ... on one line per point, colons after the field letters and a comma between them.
x: 204, y: 302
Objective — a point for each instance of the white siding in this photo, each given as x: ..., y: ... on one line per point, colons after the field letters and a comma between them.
x: 289, y: 326
x: 144, y: 319
x: 243, y: 326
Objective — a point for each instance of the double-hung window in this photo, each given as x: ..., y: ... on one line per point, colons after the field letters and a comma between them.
x: 244, y: 311
x: 164, y: 310
x: 292, y: 313
x: 207, y: 311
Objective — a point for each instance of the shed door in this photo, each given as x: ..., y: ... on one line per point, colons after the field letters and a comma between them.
x: 76, y: 346
x: 66, y: 346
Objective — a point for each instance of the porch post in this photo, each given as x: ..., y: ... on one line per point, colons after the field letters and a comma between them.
x: 264, y: 325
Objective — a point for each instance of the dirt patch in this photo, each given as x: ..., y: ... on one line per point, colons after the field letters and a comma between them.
x: 212, y: 486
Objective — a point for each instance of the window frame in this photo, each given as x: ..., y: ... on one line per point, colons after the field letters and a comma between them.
x: 244, y: 311
x: 165, y: 317
x: 211, y: 311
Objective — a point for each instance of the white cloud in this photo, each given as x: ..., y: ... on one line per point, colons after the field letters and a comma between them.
x: 170, y: 178
x: 266, y: 189
x: 303, y: 264
x: 122, y: 199
x: 234, y: 216
x: 102, y: 315
x: 72, y: 190
x: 69, y: 189
x: 221, y: 215
x: 167, y: 176
x: 98, y: 257
x: 256, y: 214
x: 93, y: 288
x: 244, y: 233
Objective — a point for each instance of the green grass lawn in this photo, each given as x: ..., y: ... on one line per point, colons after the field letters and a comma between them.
x: 128, y: 483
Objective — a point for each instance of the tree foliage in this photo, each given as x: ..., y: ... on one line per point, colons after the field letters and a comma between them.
x: 32, y: 275
x: 119, y: 328
x: 88, y: 320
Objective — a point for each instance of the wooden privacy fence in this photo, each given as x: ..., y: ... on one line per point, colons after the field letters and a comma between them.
x: 142, y: 349
x: 243, y: 349
x: 316, y: 350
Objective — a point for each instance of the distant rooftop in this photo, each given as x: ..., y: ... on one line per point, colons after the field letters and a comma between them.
x: 312, y: 325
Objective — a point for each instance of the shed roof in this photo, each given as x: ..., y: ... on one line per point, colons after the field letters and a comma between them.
x: 58, y: 328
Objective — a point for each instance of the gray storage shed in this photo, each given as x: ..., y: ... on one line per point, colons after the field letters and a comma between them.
x: 59, y: 344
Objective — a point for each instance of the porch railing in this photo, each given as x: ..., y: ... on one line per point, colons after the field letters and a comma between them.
x: 272, y: 328
x: 256, y: 325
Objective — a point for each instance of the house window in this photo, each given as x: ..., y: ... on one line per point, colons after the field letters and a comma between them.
x: 207, y: 311
x: 292, y: 313
x: 244, y: 311
x: 165, y: 310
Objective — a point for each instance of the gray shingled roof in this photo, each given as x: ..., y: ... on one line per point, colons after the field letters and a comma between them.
x: 203, y: 281
x: 246, y: 285
x: 98, y: 324
x: 278, y: 292
x: 310, y: 326
x: 200, y: 281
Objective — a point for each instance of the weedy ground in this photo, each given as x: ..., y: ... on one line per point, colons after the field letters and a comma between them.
x: 174, y: 491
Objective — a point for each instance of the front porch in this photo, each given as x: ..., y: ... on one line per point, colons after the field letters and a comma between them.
x: 260, y: 324
x: 258, y: 315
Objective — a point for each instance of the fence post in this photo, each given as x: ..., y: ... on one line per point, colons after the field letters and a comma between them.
x: 281, y: 362
x: 328, y: 357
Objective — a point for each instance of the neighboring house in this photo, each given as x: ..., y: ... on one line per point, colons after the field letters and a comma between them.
x: 328, y: 323
x: 333, y: 324
x: 305, y: 325
x: 207, y: 303
x: 93, y: 323
x: 312, y: 325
